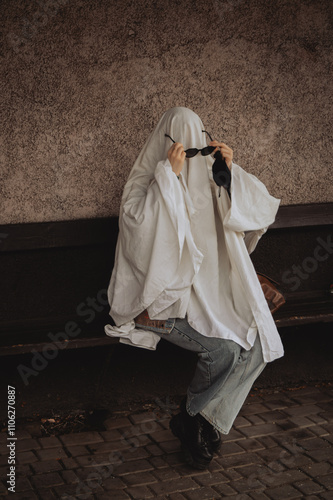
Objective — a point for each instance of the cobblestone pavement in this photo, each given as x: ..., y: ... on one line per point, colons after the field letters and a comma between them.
x: 279, y: 448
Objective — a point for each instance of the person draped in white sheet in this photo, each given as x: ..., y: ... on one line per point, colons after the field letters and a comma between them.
x: 183, y: 272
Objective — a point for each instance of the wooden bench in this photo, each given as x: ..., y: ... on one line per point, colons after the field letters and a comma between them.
x: 55, y: 276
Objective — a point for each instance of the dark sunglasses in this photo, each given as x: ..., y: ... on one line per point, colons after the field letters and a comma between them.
x: 221, y: 172
x: 190, y: 153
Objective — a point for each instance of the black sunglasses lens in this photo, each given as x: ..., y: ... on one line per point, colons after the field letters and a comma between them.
x: 191, y: 152
x: 207, y: 151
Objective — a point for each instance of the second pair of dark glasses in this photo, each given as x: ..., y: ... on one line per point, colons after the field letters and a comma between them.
x: 190, y: 153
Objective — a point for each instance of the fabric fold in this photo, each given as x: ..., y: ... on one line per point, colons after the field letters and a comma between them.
x: 183, y: 247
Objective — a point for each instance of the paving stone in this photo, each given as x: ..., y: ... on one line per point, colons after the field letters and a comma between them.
x: 241, y: 422
x: 118, y: 495
x: 184, y: 470
x: 224, y: 489
x: 21, y: 470
x: 113, y: 483
x: 77, y: 491
x: 178, y: 485
x: 202, y: 494
x: 68, y: 463
x: 69, y: 477
x: 22, y: 484
x: 297, y: 460
x: 284, y: 492
x: 308, y: 487
x: 317, y: 469
x: 251, y: 444
x: 327, y: 495
x: 27, y: 444
x: 231, y: 448
x: 318, y: 419
x: 273, y: 454
x: 111, y: 435
x: 139, y: 479
x: 96, y: 448
x: 143, y: 417
x: 158, y: 462
x: 162, y: 435
x: 117, y: 423
x: 51, y: 454
x: 321, y: 455
x: 47, y: 480
x: 259, y: 495
x: 174, y: 459
x: 22, y: 434
x: 46, y: 494
x: 302, y: 421
x: 249, y: 409
x: 260, y: 430
x: 166, y: 474
x: 273, y: 416
x: 97, y: 474
x: 138, y: 493
x: 326, y: 481
x: 286, y: 477
x: 303, y: 410
x: 247, y: 485
x: 254, y: 470
x: 170, y: 446
x: 255, y: 419
x: 77, y: 451
x: 232, y: 474
x: 113, y: 459
x: 81, y: 438
x: 289, y: 436
x: 234, y: 435
x: 34, y: 429
x: 211, y: 479
x: 314, y: 444
x: 240, y: 460
x: 133, y: 466
x: 130, y: 440
x: 278, y: 404
x: 154, y: 450
x: 134, y: 454
x: 174, y: 496
x: 287, y: 425
x: 320, y: 431
x: 46, y: 466
x: 267, y: 441
x: 49, y: 442
x: 26, y: 457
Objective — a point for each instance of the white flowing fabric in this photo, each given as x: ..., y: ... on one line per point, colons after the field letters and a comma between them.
x: 183, y: 250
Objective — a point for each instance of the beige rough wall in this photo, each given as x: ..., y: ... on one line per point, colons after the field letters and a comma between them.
x: 84, y: 82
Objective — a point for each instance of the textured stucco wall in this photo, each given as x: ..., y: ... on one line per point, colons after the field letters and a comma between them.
x: 84, y: 82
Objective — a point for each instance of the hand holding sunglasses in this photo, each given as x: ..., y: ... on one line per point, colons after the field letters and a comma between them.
x: 223, y: 159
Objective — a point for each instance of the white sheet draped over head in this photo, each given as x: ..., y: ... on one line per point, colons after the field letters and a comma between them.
x: 184, y: 251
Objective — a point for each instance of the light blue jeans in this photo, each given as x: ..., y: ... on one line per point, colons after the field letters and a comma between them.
x: 224, y: 374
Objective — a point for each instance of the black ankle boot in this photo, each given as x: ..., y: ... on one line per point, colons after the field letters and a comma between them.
x: 212, y: 435
x: 190, y: 432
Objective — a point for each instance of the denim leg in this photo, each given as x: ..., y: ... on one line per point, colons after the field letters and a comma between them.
x: 217, y: 359
x: 222, y: 410
x: 223, y: 377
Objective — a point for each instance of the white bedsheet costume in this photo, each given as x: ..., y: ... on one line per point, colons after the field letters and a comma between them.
x: 184, y: 251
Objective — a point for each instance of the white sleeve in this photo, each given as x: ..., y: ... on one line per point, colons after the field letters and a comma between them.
x: 252, y: 208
